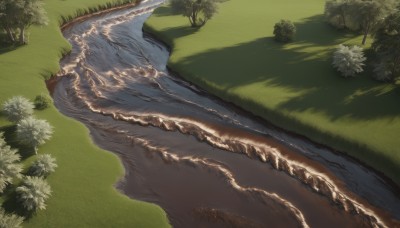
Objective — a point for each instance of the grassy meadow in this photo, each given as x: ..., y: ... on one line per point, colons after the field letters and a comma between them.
x: 83, y: 184
x: 291, y: 85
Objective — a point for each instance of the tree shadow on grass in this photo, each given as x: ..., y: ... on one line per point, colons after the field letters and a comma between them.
x: 9, y: 136
x: 302, y: 68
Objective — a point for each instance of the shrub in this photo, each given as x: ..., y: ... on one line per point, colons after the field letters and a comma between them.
x: 10, y: 220
x: 17, y: 108
x: 43, y: 166
x: 348, y: 60
x: 33, y: 193
x: 9, y: 164
x: 42, y: 101
x: 284, y: 31
x: 33, y: 132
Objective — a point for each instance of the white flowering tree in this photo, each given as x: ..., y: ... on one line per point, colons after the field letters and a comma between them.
x: 10, y: 220
x: 33, y: 193
x: 349, y: 60
x: 43, y: 166
x: 33, y: 132
x: 10, y: 167
x: 17, y: 108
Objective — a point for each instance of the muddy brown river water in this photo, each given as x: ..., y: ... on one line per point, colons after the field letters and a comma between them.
x: 204, y: 161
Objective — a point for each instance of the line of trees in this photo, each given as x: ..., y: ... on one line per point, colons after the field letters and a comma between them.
x: 359, y: 15
x: 16, y: 16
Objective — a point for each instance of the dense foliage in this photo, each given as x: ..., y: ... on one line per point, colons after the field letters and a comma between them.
x: 387, y: 48
x: 33, y: 132
x: 10, y: 167
x: 42, y: 101
x: 284, y: 31
x: 364, y: 15
x: 33, y: 193
x: 10, y: 220
x: 198, y: 11
x: 349, y: 60
x: 44, y: 165
x: 18, y: 15
x: 17, y: 108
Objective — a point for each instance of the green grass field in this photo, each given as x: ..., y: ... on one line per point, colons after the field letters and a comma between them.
x: 293, y: 86
x: 83, y: 184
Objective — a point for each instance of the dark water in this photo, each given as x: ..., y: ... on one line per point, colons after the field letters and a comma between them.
x: 206, y: 163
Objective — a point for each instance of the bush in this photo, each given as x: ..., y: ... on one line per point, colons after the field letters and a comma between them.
x: 42, y: 101
x: 9, y: 164
x: 17, y: 108
x: 33, y: 132
x: 284, y: 31
x: 33, y: 193
x: 10, y: 220
x: 349, y: 60
x: 43, y: 166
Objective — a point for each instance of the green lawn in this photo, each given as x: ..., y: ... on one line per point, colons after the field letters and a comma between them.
x: 83, y: 184
x: 294, y: 86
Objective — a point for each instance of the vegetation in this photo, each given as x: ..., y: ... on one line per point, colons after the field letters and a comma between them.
x: 33, y: 132
x: 17, y: 108
x: 44, y: 165
x: 42, y: 101
x: 80, y: 162
x: 387, y: 48
x: 33, y: 193
x: 10, y: 220
x: 198, y: 11
x: 292, y: 85
x: 19, y: 15
x: 366, y: 15
x: 10, y: 167
x: 284, y: 31
x: 349, y: 60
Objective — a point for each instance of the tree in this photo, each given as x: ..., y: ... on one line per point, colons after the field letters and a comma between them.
x: 20, y: 15
x: 349, y: 60
x: 42, y: 101
x: 10, y: 167
x: 10, y: 220
x: 370, y: 14
x: 33, y: 132
x: 336, y: 13
x: 387, y: 49
x: 198, y: 11
x: 43, y: 166
x: 284, y: 31
x: 33, y: 193
x: 17, y: 108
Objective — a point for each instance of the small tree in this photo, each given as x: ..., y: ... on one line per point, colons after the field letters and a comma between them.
x: 33, y: 193
x: 17, y: 108
x: 43, y: 166
x: 10, y: 220
x: 284, y: 31
x: 10, y: 167
x: 33, y: 132
x: 198, y: 11
x: 42, y: 101
x: 387, y: 48
x: 349, y: 60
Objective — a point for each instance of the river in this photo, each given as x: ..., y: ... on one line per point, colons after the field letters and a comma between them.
x: 206, y: 162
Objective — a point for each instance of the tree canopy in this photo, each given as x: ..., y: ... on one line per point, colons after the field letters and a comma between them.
x: 198, y: 11
x: 18, y: 15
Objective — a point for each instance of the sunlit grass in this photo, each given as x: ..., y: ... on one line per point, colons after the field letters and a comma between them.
x: 294, y: 86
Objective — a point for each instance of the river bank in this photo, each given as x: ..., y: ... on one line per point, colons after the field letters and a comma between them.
x: 305, y: 96
x: 83, y: 191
